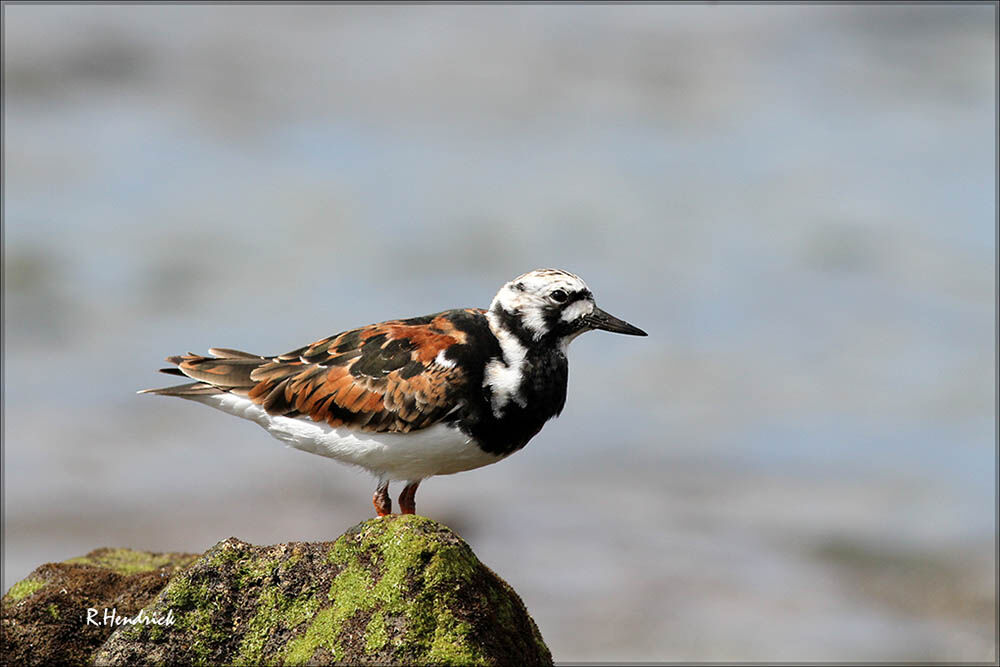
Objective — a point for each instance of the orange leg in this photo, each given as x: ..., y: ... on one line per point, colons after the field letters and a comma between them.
x: 407, y: 499
x: 381, y: 499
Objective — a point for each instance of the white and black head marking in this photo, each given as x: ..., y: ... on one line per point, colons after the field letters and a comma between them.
x: 551, y: 306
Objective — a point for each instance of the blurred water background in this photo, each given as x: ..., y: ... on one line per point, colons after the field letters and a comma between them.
x: 796, y: 202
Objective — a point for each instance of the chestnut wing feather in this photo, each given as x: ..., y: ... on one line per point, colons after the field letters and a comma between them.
x: 385, y: 377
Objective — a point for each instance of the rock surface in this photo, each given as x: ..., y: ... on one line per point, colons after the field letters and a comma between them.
x: 400, y: 589
x: 45, y: 615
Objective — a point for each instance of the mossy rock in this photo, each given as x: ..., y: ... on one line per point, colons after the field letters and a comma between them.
x: 45, y: 615
x: 399, y: 589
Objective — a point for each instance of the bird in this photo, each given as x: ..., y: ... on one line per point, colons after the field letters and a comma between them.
x: 412, y: 398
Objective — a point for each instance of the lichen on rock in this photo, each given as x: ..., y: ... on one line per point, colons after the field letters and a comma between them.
x: 398, y: 589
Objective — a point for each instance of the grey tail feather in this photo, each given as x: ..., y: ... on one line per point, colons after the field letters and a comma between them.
x: 226, y: 353
x: 185, y: 390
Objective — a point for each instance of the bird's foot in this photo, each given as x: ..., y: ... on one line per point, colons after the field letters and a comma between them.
x: 381, y: 500
x: 407, y: 499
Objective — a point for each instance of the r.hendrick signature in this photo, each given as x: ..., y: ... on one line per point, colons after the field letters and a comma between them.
x: 112, y: 617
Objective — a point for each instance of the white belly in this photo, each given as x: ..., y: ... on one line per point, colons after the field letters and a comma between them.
x: 437, y: 450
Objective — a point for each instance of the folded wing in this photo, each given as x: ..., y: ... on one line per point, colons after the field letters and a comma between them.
x: 387, y: 377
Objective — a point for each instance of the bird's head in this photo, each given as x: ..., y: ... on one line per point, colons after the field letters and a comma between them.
x: 552, y: 306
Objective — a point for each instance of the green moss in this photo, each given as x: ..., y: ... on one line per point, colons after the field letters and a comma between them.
x: 157, y: 633
x: 261, y: 626
x: 53, y: 611
x: 428, y: 616
x: 203, y: 637
x: 319, y: 634
x: 195, y: 603
x: 354, y: 592
x: 134, y: 632
x: 253, y: 572
x: 397, y: 590
x: 127, y: 561
x: 250, y: 570
x: 394, y: 579
x: 351, y: 590
x: 301, y: 610
x: 450, y: 644
x: 23, y: 589
x: 274, y: 612
x: 451, y: 564
x: 342, y: 553
x: 376, y: 636
x: 290, y: 562
x: 418, y: 576
x: 184, y: 594
x: 225, y: 553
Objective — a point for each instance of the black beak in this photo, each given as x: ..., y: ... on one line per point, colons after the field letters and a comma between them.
x: 607, y: 322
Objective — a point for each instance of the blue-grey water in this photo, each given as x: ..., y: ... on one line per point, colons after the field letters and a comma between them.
x: 796, y: 202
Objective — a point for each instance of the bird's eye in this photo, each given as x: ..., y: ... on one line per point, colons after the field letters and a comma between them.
x: 558, y: 296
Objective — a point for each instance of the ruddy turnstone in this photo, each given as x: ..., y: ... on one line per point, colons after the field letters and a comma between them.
x: 409, y: 399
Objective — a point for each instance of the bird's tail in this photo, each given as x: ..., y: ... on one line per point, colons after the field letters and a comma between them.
x: 227, y: 371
